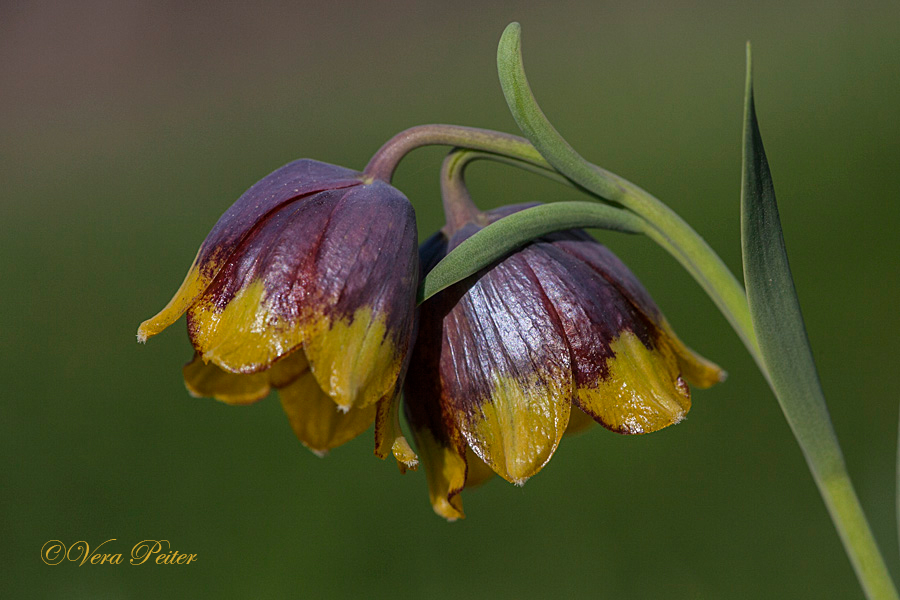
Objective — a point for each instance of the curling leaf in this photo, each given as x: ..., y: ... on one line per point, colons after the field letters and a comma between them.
x: 513, y: 231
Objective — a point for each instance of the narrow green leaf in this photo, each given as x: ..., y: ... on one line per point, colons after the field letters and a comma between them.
x: 538, y: 129
x: 787, y: 356
x: 514, y: 231
x: 774, y: 307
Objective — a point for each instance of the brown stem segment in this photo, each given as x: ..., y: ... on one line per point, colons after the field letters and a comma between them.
x: 458, y: 206
x: 385, y: 161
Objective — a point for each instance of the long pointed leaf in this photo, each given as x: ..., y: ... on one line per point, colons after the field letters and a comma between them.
x: 786, y: 354
x: 774, y: 306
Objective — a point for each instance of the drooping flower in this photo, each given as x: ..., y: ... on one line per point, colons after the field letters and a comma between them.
x: 306, y: 284
x: 506, y: 362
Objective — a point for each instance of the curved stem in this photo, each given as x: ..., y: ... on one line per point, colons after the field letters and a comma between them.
x: 458, y: 206
x: 464, y: 157
x: 682, y: 243
x: 385, y: 161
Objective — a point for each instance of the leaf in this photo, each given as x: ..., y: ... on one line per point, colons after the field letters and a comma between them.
x: 514, y: 231
x: 538, y: 129
x: 774, y: 307
x: 787, y: 356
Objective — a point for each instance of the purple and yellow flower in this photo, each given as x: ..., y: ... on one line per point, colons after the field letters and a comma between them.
x: 307, y: 285
x: 555, y: 335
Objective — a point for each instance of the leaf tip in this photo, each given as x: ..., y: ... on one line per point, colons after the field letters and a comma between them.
x: 513, y: 28
x: 749, y: 65
x: 511, y: 38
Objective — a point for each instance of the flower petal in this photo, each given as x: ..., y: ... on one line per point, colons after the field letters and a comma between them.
x: 440, y: 445
x: 388, y: 435
x: 190, y: 289
x: 445, y: 470
x: 477, y: 471
x: 334, y: 273
x: 643, y: 391
x: 579, y: 421
x: 206, y: 380
x: 366, y: 269
x: 626, y: 371
x: 290, y: 183
x: 696, y: 370
x: 316, y: 420
x: 264, y: 302
x: 355, y: 360
x: 288, y: 369
x: 506, y: 370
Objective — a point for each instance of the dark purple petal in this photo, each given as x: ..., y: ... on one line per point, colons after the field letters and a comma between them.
x: 290, y: 183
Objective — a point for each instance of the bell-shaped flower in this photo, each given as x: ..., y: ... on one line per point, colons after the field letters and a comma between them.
x: 555, y: 334
x: 306, y: 284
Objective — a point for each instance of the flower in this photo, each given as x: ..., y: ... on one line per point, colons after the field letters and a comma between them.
x: 306, y: 284
x: 506, y: 362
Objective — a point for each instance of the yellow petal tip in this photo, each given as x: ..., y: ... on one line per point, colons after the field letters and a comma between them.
x: 142, y: 334
x: 314, y: 418
x: 518, y: 428
x: 354, y: 359
x: 643, y: 391
x: 444, y: 509
x: 403, y: 452
x: 698, y: 371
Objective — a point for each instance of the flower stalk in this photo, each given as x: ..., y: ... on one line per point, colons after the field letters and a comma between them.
x: 384, y: 162
x: 458, y: 206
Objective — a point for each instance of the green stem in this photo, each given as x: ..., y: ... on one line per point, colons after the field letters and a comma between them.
x: 383, y: 164
x: 852, y: 527
x: 518, y: 229
x: 463, y: 157
x: 706, y: 268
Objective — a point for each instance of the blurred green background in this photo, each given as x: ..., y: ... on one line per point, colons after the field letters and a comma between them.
x: 127, y: 128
